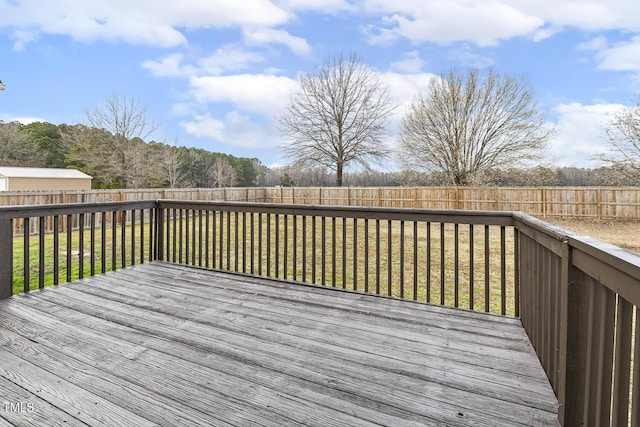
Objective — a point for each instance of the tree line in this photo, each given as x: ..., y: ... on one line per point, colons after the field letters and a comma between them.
x: 539, y: 176
x: 157, y: 165
x: 122, y: 162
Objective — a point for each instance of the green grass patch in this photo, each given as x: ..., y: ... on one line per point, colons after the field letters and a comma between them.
x: 418, y: 261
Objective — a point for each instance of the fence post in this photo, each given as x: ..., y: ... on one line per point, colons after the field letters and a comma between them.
x: 6, y: 258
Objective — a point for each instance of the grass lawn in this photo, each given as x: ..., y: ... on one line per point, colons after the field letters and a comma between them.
x: 70, y: 263
x: 370, y: 260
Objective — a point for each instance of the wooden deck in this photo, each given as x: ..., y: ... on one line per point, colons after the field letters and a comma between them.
x: 162, y: 344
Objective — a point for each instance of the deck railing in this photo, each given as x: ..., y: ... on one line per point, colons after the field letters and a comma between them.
x: 458, y: 258
x: 51, y: 244
x: 579, y: 306
x: 577, y: 298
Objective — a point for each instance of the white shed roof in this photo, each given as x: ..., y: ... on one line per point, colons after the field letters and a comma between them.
x: 14, y: 172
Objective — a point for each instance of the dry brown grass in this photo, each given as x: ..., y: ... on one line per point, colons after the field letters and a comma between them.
x: 623, y: 233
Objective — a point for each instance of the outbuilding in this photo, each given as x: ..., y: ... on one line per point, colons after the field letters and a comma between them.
x: 32, y: 179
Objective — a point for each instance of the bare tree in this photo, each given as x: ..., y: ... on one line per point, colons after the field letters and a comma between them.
x: 337, y: 117
x: 128, y: 123
x: 172, y: 160
x: 466, y: 124
x: 16, y: 148
x: 623, y: 136
x: 222, y: 173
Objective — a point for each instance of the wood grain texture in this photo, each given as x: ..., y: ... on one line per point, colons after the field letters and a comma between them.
x: 162, y: 344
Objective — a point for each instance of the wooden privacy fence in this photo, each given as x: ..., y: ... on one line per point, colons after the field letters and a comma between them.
x: 542, y: 202
x: 570, y: 202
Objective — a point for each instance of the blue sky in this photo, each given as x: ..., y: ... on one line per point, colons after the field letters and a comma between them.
x: 217, y: 73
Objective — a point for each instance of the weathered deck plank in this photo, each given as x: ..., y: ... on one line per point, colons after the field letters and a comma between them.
x: 177, y: 345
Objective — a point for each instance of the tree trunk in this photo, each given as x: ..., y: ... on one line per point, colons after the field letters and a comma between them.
x: 339, y: 174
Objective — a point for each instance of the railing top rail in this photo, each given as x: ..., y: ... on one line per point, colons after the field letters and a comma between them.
x: 614, y: 267
x: 28, y: 211
x: 364, y: 212
x: 549, y: 230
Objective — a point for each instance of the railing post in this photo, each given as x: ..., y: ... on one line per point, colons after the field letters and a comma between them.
x: 564, y: 326
x: 159, y: 250
x: 576, y: 347
x: 6, y: 258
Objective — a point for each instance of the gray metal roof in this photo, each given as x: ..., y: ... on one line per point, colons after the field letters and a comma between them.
x: 14, y: 172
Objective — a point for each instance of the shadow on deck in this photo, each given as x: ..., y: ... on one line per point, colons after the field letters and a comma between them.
x: 163, y: 344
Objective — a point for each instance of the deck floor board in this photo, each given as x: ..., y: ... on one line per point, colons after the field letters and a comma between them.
x: 163, y: 344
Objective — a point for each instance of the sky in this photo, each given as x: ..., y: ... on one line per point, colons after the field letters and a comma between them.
x: 217, y: 74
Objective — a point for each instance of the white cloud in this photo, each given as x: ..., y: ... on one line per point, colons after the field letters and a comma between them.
x: 543, y: 33
x: 579, y: 135
x: 621, y: 57
x: 262, y: 36
x: 136, y: 21
x: 325, y: 6
x: 169, y: 66
x: 597, y: 43
x: 164, y: 22
x: 204, y: 126
x: 182, y: 109
x: 259, y: 93
x: 587, y: 15
x: 22, y: 38
x: 236, y: 129
x: 229, y: 58
x: 465, y: 55
x: 412, y: 63
x: 483, y: 23
x: 403, y: 88
x: 486, y: 22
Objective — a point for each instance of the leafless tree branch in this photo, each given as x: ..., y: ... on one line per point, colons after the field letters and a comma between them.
x: 337, y: 117
x: 222, y: 173
x: 623, y: 136
x: 465, y: 124
x: 16, y: 148
x: 128, y: 125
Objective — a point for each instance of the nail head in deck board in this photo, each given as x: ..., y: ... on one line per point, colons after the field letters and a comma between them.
x: 286, y: 352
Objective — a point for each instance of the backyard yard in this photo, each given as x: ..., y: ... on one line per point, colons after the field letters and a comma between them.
x: 623, y: 233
